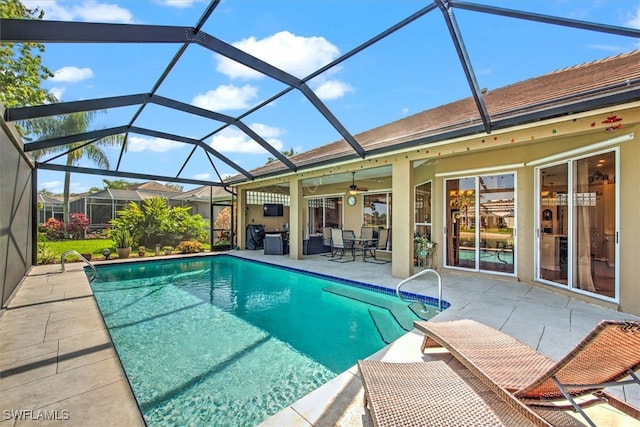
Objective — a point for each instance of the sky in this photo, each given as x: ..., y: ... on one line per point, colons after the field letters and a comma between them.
x: 411, y: 70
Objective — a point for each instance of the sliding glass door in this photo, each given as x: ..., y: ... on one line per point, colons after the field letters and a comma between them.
x: 480, y: 215
x: 577, y: 237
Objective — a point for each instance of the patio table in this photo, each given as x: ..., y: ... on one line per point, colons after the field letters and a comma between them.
x: 362, y: 243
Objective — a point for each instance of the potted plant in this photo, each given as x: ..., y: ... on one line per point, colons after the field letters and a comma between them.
x: 141, y: 251
x: 168, y: 250
x: 122, y: 238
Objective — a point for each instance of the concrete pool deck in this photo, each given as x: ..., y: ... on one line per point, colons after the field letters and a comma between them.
x: 58, y: 365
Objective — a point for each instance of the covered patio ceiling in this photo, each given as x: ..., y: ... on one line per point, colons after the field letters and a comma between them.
x: 439, y: 23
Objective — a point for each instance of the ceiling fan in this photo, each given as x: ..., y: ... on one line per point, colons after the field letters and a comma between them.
x: 353, y: 188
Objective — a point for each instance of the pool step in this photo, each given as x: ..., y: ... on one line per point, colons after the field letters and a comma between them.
x: 387, y: 326
x: 398, y: 310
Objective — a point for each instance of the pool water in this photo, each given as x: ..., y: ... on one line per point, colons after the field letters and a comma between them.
x: 224, y: 341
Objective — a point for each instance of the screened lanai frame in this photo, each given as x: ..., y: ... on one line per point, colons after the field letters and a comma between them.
x: 80, y: 32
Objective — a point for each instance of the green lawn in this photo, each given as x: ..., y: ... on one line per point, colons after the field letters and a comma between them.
x: 92, y: 246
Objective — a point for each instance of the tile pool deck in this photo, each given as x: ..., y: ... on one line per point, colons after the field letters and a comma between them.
x: 58, y: 365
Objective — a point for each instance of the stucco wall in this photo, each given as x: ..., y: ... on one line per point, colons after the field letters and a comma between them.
x: 15, y: 211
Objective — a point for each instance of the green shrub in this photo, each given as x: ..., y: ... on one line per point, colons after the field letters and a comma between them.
x: 155, y: 222
x: 189, y: 247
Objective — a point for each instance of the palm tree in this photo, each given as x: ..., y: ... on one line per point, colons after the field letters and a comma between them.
x: 70, y: 124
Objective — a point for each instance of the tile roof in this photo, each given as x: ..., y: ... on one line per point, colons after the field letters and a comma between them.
x: 154, y: 186
x: 203, y: 193
x: 615, y: 74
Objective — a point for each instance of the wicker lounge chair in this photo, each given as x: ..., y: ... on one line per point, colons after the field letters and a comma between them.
x: 433, y: 394
x: 604, y: 358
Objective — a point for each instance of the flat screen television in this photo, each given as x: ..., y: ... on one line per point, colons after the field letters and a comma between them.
x: 273, y: 209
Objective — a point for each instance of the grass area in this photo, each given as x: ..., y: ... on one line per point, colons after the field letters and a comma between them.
x: 95, y: 247
x: 90, y: 246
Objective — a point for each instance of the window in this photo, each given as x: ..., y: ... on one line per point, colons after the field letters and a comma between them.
x: 376, y: 211
x: 324, y: 212
x: 422, y: 210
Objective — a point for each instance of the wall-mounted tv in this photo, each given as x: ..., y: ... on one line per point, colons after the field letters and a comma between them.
x: 273, y: 209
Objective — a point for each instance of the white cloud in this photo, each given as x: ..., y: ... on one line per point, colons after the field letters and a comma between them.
x: 405, y: 111
x: 56, y: 187
x: 202, y: 176
x: 58, y: 92
x: 607, y: 47
x: 89, y: 10
x: 226, y: 97
x: 333, y: 89
x: 296, y: 55
x: 181, y: 4
x: 633, y: 18
x: 72, y: 74
x: 233, y: 140
x: 157, y: 145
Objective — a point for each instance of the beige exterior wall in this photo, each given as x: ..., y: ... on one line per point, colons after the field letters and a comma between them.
x: 509, y: 151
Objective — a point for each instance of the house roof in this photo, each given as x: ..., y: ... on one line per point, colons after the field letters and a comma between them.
x: 132, y: 195
x: 203, y: 193
x: 47, y: 200
x: 613, y: 78
x: 151, y: 186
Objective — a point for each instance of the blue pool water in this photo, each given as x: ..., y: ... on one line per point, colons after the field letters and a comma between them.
x: 224, y: 341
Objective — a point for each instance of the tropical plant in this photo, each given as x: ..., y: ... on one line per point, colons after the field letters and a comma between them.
x: 155, y: 222
x: 121, y: 237
x: 21, y: 69
x: 70, y: 124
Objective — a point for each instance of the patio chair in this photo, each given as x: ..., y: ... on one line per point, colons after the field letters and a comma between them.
x: 383, y: 238
x: 604, y: 358
x: 275, y: 244
x: 433, y: 394
x: 339, y: 246
x: 326, y: 236
x: 366, y: 232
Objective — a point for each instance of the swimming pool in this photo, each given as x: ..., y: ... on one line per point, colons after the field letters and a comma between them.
x: 221, y: 340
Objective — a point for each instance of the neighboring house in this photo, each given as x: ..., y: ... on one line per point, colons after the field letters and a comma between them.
x: 49, y: 207
x: 102, y: 206
x: 549, y: 196
x: 211, y: 202
x: 200, y: 200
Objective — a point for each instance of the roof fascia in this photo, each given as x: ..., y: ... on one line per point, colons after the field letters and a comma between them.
x: 577, y: 106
